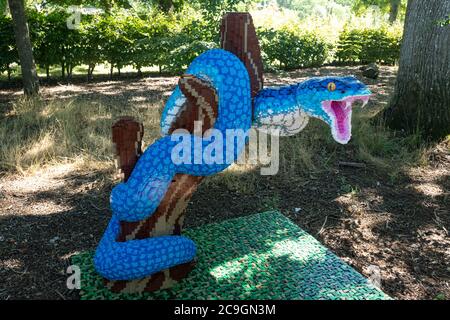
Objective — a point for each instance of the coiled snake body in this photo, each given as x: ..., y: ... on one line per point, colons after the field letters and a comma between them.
x: 285, y: 109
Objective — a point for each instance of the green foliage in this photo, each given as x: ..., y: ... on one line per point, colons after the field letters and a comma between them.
x: 180, y: 57
x: 309, y: 8
x: 53, y: 42
x: 145, y: 36
x: 445, y: 21
x: 291, y: 49
x: 361, y: 6
x: 116, y: 43
x: 368, y: 45
x: 8, y: 52
x: 3, y: 6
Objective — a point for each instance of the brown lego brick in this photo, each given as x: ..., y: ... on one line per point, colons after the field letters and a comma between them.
x: 160, y: 280
x: 201, y: 104
x: 238, y: 35
x: 127, y: 139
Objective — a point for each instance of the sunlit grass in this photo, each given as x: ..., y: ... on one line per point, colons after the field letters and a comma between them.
x: 36, y: 133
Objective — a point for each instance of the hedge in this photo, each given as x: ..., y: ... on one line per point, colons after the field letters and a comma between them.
x: 171, y: 42
x: 368, y: 45
x: 290, y: 49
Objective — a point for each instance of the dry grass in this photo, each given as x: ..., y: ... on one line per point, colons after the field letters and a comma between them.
x: 37, y: 133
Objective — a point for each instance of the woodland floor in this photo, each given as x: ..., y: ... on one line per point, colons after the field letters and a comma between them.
x: 362, y: 214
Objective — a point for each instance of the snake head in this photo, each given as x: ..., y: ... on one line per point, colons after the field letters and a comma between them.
x: 331, y: 99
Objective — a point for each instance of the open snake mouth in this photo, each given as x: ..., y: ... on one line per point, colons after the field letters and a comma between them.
x: 340, y: 113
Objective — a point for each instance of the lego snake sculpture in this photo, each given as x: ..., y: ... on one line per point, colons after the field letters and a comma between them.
x: 284, y: 109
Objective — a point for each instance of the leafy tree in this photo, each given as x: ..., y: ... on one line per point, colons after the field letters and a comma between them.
x: 394, y: 7
x: 212, y: 12
x: 46, y: 40
x: 54, y: 42
x: 90, y: 50
x: 106, y: 5
x: 3, y: 7
x: 8, y: 52
x: 169, y: 5
x: 306, y: 8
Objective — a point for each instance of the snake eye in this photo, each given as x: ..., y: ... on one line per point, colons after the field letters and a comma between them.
x: 331, y: 86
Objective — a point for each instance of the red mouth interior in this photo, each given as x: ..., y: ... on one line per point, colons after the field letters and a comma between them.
x: 340, y: 114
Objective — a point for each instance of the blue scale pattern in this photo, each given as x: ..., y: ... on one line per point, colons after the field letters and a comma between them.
x: 307, y: 96
x: 140, y: 196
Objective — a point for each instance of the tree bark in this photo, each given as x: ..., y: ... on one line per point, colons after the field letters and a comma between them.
x: 63, y: 70
x: 23, y: 43
x: 69, y: 71
x: 421, y: 100
x: 238, y: 35
x: 393, y: 12
x: 90, y: 71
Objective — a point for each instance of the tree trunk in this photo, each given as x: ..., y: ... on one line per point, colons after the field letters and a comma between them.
x: 90, y: 71
x: 8, y: 69
x: 393, y: 12
x: 111, y: 70
x: 238, y: 35
x: 421, y: 100
x: 69, y: 72
x: 47, y: 72
x: 63, y: 70
x: 29, y: 74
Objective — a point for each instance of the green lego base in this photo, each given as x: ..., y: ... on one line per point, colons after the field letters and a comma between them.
x: 262, y: 256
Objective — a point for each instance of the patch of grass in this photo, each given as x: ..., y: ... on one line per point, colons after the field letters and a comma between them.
x: 36, y: 133
x: 384, y: 149
x: 238, y: 178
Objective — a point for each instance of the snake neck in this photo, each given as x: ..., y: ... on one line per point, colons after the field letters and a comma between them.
x: 275, y: 101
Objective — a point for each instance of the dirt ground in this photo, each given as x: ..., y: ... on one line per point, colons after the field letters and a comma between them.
x: 363, y: 215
